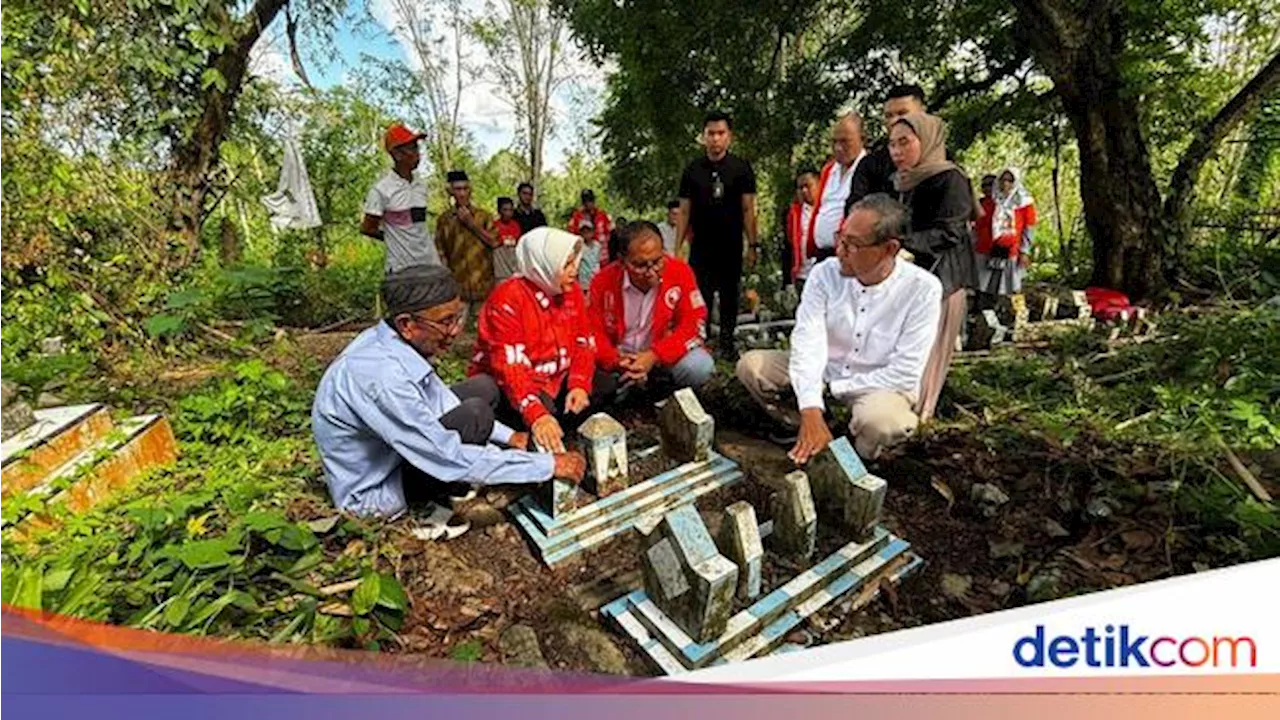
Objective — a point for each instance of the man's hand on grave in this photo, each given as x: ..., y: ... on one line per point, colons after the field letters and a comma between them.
x: 570, y: 467
x: 548, y: 434
x: 577, y: 401
x: 814, y: 436
x: 519, y: 441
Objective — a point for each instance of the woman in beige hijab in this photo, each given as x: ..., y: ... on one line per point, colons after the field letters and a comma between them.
x: 941, y: 201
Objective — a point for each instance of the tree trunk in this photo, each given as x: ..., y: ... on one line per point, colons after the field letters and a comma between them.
x: 1122, y: 206
x: 196, y: 155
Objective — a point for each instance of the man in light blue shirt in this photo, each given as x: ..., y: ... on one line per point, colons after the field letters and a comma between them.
x: 383, y: 418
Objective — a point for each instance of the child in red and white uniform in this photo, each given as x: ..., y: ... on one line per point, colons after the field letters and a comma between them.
x: 534, y: 340
x: 508, y: 231
x: 1003, y: 261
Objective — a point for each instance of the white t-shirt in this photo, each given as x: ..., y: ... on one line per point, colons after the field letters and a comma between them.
x: 831, y: 204
x: 402, y: 205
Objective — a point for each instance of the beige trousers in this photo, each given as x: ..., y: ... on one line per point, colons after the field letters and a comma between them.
x: 944, y: 347
x: 880, y: 418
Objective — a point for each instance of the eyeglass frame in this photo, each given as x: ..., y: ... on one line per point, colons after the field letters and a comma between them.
x: 654, y: 265
x: 458, y: 321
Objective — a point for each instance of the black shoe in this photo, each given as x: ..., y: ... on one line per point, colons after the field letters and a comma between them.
x: 727, y: 353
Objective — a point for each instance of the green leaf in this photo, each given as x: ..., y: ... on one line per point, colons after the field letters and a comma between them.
x: 469, y: 651
x: 294, y: 537
x: 176, y: 611
x: 366, y: 594
x: 30, y: 588
x: 392, y: 620
x: 204, y: 554
x: 211, y: 77
x: 261, y: 521
x: 83, y: 589
x: 161, y: 325
x: 306, y: 562
x: 391, y: 594
x: 210, y: 611
x: 56, y: 580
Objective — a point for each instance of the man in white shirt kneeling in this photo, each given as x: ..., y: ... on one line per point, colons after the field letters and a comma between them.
x: 864, y: 329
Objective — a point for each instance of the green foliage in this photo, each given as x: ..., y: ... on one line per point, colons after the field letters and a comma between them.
x: 1209, y: 379
x: 255, y: 400
x: 211, y: 547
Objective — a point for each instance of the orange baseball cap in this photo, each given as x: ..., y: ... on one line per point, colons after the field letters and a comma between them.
x: 399, y: 134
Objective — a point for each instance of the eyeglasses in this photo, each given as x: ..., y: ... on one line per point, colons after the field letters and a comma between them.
x: 647, y: 267
x: 447, y: 325
x: 848, y: 245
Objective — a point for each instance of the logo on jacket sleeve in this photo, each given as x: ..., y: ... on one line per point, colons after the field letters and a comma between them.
x: 695, y: 298
x: 672, y: 297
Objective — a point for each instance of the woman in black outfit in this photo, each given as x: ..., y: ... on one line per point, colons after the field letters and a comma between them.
x: 941, y: 201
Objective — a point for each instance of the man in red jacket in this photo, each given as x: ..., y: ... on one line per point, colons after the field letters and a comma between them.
x: 647, y: 315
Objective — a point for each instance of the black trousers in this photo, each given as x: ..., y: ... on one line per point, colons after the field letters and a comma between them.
x: 604, y: 386
x: 722, y: 278
x: 473, y: 421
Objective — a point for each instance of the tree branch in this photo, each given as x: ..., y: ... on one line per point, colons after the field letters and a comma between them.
x: 1182, y: 184
x: 972, y: 86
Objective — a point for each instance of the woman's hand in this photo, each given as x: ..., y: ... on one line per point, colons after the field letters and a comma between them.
x: 548, y: 434
x: 577, y: 401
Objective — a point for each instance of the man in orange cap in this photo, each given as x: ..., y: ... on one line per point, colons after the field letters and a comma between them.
x: 395, y: 210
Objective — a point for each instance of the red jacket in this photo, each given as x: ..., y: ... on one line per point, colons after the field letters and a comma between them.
x: 530, y: 343
x: 678, y: 321
x: 600, y: 220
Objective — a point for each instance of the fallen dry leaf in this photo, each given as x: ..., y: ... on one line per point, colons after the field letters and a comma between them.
x: 945, y: 491
x: 1137, y: 539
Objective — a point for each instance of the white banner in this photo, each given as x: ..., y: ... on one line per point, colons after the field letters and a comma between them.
x: 1217, y: 622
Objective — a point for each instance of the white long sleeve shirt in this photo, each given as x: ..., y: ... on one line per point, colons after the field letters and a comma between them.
x: 857, y: 337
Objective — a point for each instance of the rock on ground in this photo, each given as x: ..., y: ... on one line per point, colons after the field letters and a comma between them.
x: 596, y: 648
x: 519, y: 645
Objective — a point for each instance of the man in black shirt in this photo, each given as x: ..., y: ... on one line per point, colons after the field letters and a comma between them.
x: 527, y: 215
x: 875, y: 172
x: 718, y: 206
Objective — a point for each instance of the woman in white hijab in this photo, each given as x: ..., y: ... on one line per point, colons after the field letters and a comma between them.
x: 1014, y: 216
x: 534, y: 339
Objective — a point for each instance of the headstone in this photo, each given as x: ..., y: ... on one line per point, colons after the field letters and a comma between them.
x: 1072, y: 305
x: 1042, y: 304
x: 557, y: 497
x: 51, y: 345
x: 848, y: 496
x: 795, y: 519
x: 740, y: 542
x: 16, y: 418
x: 686, y: 576
x: 866, y: 504
x: 1012, y: 310
x: 604, y: 441
x: 687, y: 429
x: 984, y: 331
x: 997, y: 328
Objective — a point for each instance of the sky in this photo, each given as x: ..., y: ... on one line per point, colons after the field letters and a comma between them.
x: 483, y: 112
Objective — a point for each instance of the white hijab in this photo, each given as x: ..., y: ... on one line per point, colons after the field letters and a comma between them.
x: 1005, y: 220
x: 542, y: 253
